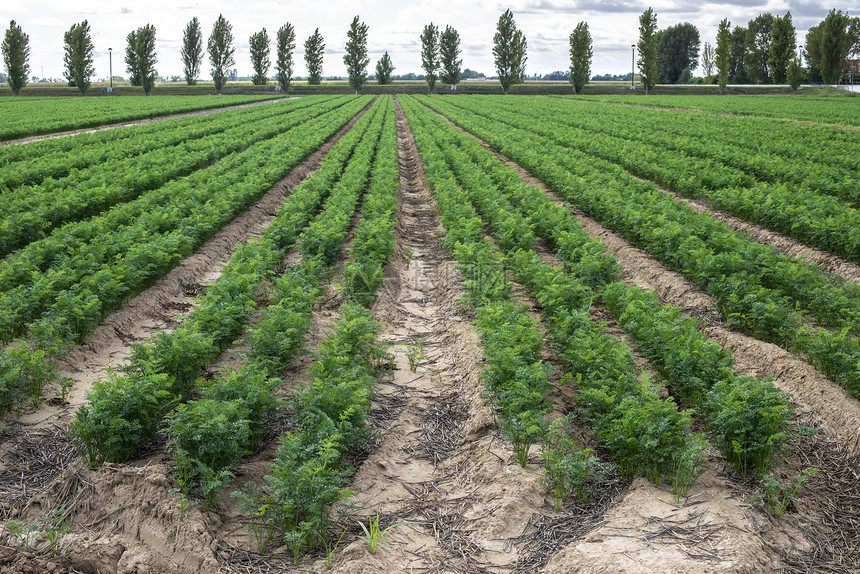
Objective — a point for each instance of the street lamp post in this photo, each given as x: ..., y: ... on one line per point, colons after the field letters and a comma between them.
x: 633, y: 66
x: 110, y: 68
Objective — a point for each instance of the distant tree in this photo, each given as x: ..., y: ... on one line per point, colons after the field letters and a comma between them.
x: 737, y: 71
x: 356, y: 59
x: 260, y: 60
x: 221, y: 51
x: 677, y: 48
x: 781, y: 53
x: 723, y: 53
x: 384, y: 67
x: 647, y: 46
x: 758, y: 39
x: 581, y: 54
x: 558, y: 76
x: 78, y: 56
x: 449, y: 50
x: 708, y: 62
x: 430, y: 54
x: 469, y: 74
x: 16, y: 53
x: 140, y: 58
x: 192, y: 51
x: 831, y: 43
x: 509, y: 51
x: 794, y: 75
x: 286, y: 43
x: 314, y: 50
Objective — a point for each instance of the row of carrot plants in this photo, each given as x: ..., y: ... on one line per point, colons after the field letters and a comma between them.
x: 330, y: 410
x: 825, y: 109
x: 812, y: 157
x: 747, y: 419
x: 797, y: 211
x: 32, y: 212
x: 206, y: 437
x: 55, y: 158
x: 125, y: 411
x: 24, y: 116
x: 758, y: 290
x: 61, y: 287
x: 645, y: 435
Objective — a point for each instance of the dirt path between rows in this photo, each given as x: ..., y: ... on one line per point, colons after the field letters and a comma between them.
x: 136, y: 122
x: 441, y: 472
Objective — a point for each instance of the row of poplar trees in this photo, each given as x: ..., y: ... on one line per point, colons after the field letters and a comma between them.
x: 440, y: 51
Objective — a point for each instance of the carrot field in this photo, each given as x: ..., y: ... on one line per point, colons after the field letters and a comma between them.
x: 430, y: 333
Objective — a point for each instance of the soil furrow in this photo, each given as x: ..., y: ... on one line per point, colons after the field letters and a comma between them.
x: 441, y: 465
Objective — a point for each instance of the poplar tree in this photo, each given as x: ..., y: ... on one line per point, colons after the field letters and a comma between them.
x: 260, y: 62
x: 723, y: 53
x: 356, y: 59
x: 78, y: 56
x: 509, y: 51
x: 708, y: 62
x: 647, y: 46
x: 221, y: 51
x: 16, y: 53
x: 286, y: 43
x: 384, y: 67
x: 192, y: 51
x: 430, y: 54
x: 449, y: 50
x: 314, y: 50
x: 834, y: 45
x: 140, y: 57
x: 581, y: 54
x: 781, y: 52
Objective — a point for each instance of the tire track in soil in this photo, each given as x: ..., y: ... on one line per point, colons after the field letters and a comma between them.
x: 754, y: 357
x: 125, y: 517
x: 136, y: 122
x: 440, y: 464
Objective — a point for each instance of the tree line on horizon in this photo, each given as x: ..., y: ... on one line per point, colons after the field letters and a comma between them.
x: 762, y: 52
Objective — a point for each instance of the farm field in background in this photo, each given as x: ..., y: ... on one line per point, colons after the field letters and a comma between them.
x: 25, y: 116
x: 833, y: 108
x: 468, y: 333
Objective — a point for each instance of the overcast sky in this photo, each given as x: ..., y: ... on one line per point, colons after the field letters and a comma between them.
x: 395, y: 26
